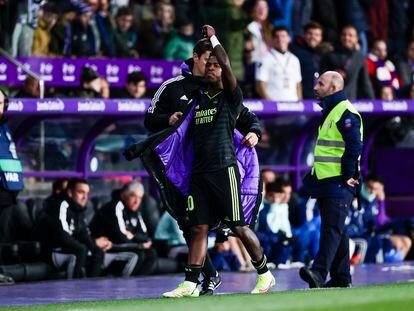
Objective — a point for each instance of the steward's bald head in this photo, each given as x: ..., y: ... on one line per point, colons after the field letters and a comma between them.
x: 328, y: 83
x: 335, y: 78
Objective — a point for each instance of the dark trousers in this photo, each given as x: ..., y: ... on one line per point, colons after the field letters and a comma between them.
x: 7, y: 203
x: 333, y: 254
x: 94, y: 265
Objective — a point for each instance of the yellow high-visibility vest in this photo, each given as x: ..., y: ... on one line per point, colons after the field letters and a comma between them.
x: 330, y: 145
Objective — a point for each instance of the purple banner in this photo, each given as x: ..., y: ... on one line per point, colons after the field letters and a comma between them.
x: 87, y: 106
x: 66, y: 71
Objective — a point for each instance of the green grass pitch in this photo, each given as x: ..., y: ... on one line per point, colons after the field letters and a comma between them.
x: 395, y: 296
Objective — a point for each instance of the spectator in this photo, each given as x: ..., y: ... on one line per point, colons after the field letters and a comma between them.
x: 268, y: 176
x: 302, y: 12
x: 105, y: 91
x: 372, y: 223
x: 155, y: 33
x: 398, y: 21
x: 307, y: 50
x: 125, y: 37
x: 60, y: 43
x: 30, y: 88
x: 232, y: 21
x: 241, y: 253
x: 260, y: 30
x: 373, y: 201
x: 42, y: 34
x: 305, y: 221
x: 278, y: 76
x: 411, y: 93
x: 223, y: 257
x: 180, y: 46
x: 281, y: 13
x: 121, y: 221
x: 142, y: 10
x: 83, y: 38
x: 106, y: 30
x: 350, y: 63
x: 380, y: 69
x: 273, y: 228
x: 90, y: 84
x: 354, y: 12
x: 27, y: 21
x: 64, y: 233
x: 378, y: 15
x: 325, y: 13
x: 406, y: 66
x: 136, y: 86
x: 387, y: 93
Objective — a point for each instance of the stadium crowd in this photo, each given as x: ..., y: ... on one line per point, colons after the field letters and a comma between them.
x: 277, y: 49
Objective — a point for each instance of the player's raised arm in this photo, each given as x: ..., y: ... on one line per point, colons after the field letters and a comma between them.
x: 228, y: 78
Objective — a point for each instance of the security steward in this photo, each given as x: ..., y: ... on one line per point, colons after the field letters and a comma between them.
x: 11, y: 176
x: 334, y: 180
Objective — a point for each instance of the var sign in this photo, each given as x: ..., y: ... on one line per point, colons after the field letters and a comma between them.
x: 11, y: 177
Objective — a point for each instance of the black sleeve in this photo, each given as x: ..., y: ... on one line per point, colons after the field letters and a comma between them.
x: 249, y: 122
x: 158, y: 114
x: 85, y: 236
x: 105, y: 223
x: 60, y: 236
x: 235, y: 98
x: 140, y: 237
x: 349, y: 126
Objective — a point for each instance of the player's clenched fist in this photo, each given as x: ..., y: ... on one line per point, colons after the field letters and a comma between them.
x: 208, y: 31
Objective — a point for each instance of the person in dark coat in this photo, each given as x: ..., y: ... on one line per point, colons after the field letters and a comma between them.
x: 350, y: 63
x: 121, y: 222
x: 334, y: 181
x: 307, y: 50
x: 63, y: 232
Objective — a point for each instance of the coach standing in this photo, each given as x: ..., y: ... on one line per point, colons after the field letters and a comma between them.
x: 333, y: 180
x: 11, y: 177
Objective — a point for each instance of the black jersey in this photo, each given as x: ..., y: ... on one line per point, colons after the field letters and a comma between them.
x: 213, y: 130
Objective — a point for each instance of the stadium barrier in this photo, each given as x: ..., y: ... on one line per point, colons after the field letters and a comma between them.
x: 33, y: 111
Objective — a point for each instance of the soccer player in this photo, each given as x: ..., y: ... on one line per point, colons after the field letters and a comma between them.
x: 167, y: 108
x: 215, y: 179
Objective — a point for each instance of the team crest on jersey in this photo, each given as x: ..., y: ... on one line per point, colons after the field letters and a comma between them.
x: 348, y: 123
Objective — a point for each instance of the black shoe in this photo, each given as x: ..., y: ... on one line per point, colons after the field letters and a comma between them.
x: 209, y: 285
x: 310, y: 277
x: 6, y: 280
x: 335, y: 283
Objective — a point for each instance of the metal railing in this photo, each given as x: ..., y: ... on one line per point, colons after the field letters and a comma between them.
x: 29, y: 72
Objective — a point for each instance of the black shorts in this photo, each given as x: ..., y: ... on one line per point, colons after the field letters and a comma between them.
x: 214, y: 197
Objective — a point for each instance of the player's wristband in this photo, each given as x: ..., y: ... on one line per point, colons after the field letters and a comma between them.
x: 214, y: 41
